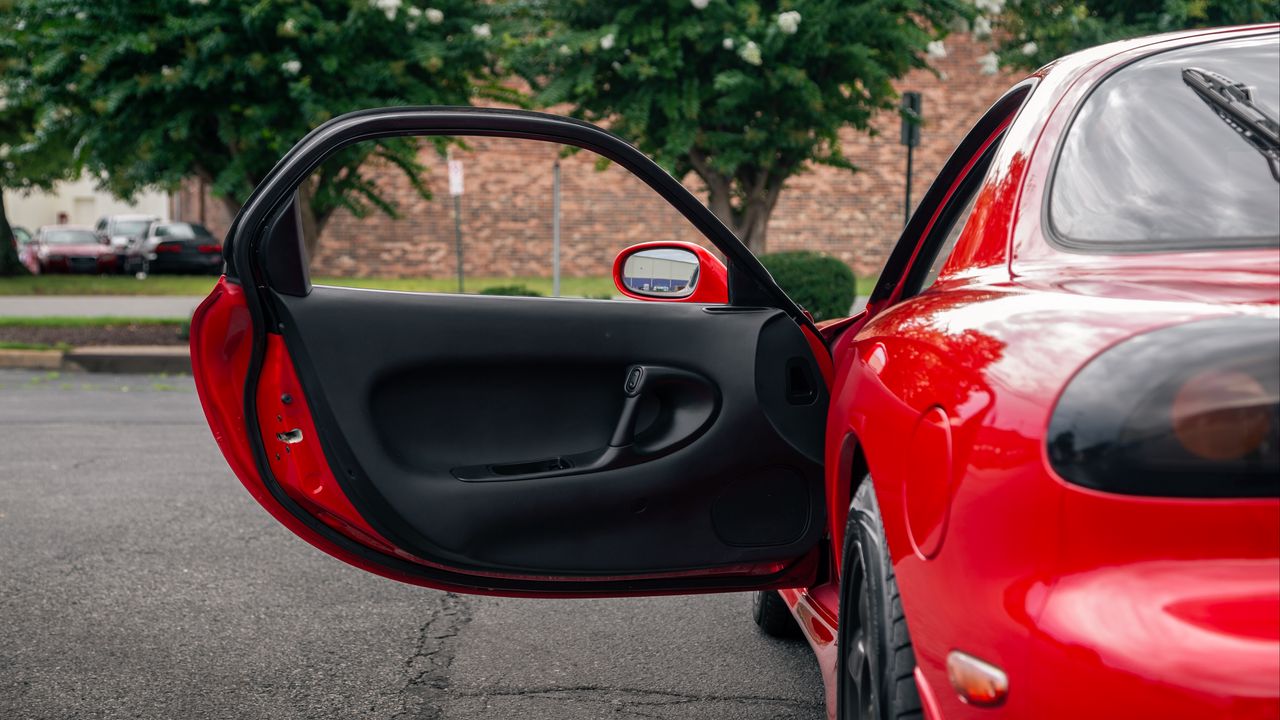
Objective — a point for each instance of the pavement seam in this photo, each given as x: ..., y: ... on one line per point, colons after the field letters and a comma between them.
x: 661, y: 697
x: 427, y: 669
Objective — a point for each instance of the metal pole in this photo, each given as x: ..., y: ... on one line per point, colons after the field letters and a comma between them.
x: 457, y: 235
x: 906, y: 206
x: 911, y: 115
x: 555, y: 229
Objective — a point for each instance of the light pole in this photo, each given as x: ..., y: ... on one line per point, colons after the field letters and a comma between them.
x: 911, y: 138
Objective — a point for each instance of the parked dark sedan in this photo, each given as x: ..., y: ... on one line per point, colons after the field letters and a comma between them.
x: 71, y: 248
x: 180, y: 247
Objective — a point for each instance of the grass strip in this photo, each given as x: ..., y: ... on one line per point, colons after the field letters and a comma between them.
x: 73, y: 321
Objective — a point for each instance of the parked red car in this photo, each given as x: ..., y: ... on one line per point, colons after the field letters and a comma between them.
x: 69, y: 248
x: 1037, y: 477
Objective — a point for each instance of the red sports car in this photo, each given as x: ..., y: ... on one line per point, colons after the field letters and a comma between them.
x: 1037, y: 477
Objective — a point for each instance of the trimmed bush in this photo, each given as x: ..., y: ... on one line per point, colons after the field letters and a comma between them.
x: 822, y: 285
x: 523, y: 290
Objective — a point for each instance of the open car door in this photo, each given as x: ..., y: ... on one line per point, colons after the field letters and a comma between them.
x: 511, y: 445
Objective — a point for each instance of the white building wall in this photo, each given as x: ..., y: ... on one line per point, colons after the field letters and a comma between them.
x: 81, y: 201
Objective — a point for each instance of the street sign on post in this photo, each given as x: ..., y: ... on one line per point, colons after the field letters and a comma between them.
x: 455, y: 189
x: 455, y: 177
x: 911, y: 117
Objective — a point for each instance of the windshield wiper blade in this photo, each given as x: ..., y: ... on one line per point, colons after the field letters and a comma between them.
x: 1233, y: 102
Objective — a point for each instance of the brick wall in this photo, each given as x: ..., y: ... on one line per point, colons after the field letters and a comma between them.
x: 507, y: 205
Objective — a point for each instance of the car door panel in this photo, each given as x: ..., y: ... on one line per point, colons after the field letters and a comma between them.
x: 410, y: 390
x: 514, y: 445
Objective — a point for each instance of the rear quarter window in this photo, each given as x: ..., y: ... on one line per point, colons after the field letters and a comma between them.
x: 1148, y: 164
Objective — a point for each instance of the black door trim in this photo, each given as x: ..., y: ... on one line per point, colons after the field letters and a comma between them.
x: 750, y: 283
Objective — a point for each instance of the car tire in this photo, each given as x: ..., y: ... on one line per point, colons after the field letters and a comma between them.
x: 773, y: 616
x: 875, y: 663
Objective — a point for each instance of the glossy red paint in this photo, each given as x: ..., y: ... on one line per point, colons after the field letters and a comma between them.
x: 221, y: 350
x: 1094, y: 605
x: 713, y: 278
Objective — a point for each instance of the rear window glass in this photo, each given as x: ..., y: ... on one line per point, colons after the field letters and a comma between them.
x: 70, y: 237
x: 131, y: 227
x: 1150, y: 163
x: 182, y: 231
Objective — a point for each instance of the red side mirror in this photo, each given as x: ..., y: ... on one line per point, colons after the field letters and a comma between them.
x: 671, y: 272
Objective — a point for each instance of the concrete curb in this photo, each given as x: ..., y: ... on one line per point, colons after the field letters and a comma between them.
x: 138, y: 359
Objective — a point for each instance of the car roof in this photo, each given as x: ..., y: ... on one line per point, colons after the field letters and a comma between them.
x: 151, y: 218
x: 85, y: 228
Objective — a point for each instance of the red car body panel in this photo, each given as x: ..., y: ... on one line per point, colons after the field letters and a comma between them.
x: 1095, y: 605
x: 56, y: 258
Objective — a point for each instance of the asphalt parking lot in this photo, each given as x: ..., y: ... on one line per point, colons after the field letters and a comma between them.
x: 139, y: 580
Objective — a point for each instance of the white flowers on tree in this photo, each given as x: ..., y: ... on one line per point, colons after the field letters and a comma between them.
x: 291, y: 67
x: 789, y: 22
x: 1030, y: 48
x: 388, y: 7
x: 990, y: 7
x: 727, y: 43
x: 936, y: 49
x: 435, y: 16
x: 700, y: 4
x: 750, y: 53
x: 482, y: 30
x: 989, y: 64
x: 982, y: 27
x: 606, y: 42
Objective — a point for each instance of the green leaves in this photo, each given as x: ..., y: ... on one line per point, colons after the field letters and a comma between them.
x: 1040, y: 30
x: 155, y: 91
x: 753, y: 89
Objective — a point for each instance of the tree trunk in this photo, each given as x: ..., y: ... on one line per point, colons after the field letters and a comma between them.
x: 749, y: 220
x: 9, y: 264
x: 312, y: 225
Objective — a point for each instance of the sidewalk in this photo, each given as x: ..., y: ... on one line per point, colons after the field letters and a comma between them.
x: 147, y: 306
x: 147, y: 359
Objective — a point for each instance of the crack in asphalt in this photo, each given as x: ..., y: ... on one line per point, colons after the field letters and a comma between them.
x: 427, y: 687
x: 427, y: 669
x: 621, y: 696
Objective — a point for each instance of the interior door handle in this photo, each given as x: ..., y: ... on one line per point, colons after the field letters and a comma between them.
x: 640, y: 380
x: 689, y: 400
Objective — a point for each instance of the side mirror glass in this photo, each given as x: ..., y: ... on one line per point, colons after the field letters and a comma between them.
x: 673, y: 271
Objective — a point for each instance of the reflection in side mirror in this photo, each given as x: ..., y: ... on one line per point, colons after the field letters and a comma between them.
x: 661, y: 273
x: 671, y: 271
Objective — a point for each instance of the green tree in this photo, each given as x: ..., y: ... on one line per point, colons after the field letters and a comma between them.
x: 26, y: 161
x: 744, y: 94
x: 158, y: 91
x: 1037, y: 31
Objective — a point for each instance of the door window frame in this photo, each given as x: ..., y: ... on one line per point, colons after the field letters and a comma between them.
x: 260, y: 255
x: 960, y: 176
